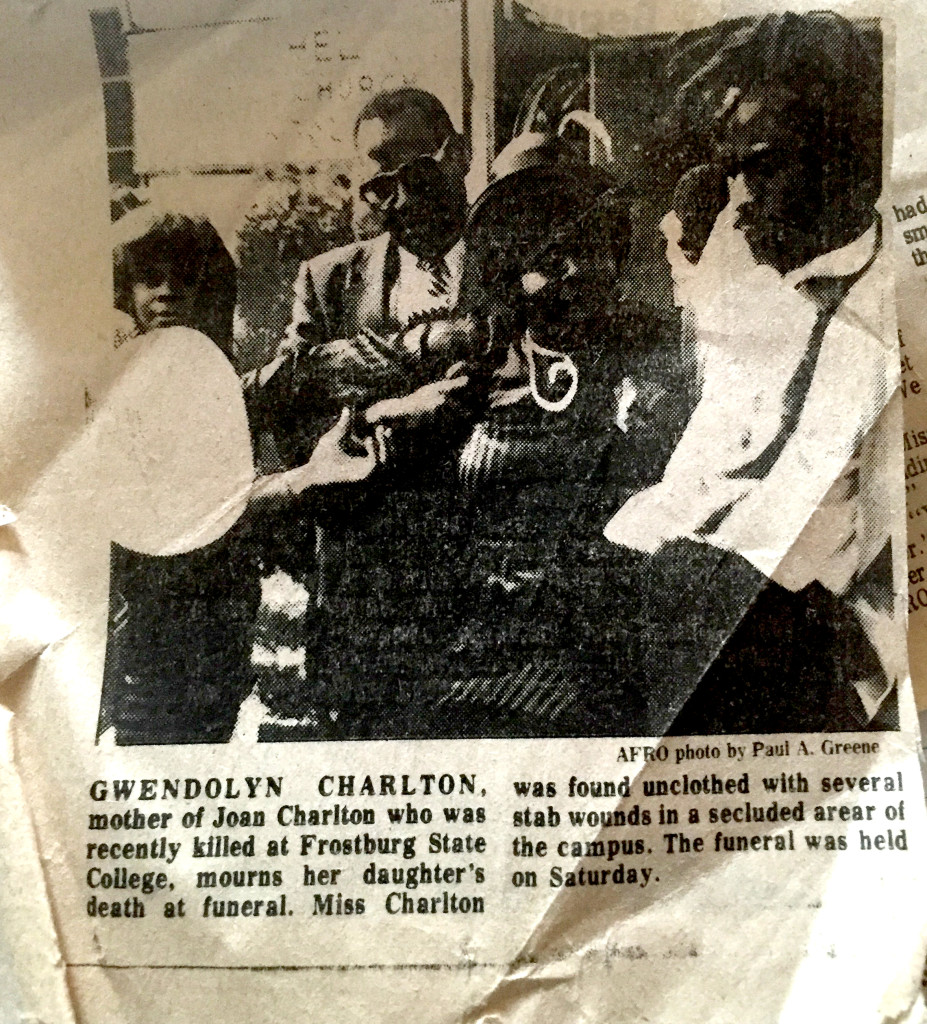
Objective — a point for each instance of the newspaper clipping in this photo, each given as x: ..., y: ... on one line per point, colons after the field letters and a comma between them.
x: 455, y: 554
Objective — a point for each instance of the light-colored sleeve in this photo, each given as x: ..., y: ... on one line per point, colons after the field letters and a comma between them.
x: 752, y: 333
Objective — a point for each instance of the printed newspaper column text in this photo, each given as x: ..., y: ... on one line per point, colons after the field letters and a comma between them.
x: 751, y: 796
x: 914, y: 231
x: 915, y: 448
x: 345, y: 846
x: 911, y: 223
x: 421, y: 850
x: 125, y: 871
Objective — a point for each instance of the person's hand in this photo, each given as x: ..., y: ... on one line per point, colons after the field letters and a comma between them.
x: 341, y: 458
x: 453, y: 338
x: 424, y: 401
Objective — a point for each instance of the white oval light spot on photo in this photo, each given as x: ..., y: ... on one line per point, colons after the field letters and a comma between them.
x: 176, y: 451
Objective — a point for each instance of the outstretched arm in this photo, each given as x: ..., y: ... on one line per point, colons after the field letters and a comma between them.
x: 338, y: 458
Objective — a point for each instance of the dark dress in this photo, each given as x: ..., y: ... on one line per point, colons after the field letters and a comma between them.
x: 507, y: 613
x: 448, y: 617
x: 180, y: 631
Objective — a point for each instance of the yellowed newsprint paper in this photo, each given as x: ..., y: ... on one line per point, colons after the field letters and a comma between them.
x: 453, y: 536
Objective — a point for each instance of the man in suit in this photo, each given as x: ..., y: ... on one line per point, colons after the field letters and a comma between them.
x: 370, y: 329
x: 356, y: 333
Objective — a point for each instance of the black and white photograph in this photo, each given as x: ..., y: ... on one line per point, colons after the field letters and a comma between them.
x: 530, y: 388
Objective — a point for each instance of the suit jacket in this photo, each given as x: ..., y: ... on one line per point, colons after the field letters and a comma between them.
x: 327, y: 359
x: 320, y: 363
x: 344, y: 291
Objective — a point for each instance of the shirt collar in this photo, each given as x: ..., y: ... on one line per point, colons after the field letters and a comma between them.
x: 453, y: 257
x: 847, y: 261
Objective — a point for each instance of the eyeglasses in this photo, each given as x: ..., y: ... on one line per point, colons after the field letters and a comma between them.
x: 413, y: 175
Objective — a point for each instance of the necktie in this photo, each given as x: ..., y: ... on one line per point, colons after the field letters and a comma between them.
x: 440, y: 275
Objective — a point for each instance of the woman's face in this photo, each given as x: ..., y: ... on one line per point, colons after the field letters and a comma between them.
x: 570, y: 286
x: 162, y: 296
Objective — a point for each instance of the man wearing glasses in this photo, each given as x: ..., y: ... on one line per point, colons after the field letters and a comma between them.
x: 359, y: 330
x: 370, y: 330
x: 788, y: 299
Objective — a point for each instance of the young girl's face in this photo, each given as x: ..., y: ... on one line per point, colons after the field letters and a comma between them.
x: 162, y: 296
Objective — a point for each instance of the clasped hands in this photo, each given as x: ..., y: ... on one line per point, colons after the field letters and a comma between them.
x: 343, y: 455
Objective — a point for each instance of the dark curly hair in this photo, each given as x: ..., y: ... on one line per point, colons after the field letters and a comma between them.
x: 193, y: 247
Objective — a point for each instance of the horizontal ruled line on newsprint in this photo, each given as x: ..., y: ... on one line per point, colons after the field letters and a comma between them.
x: 291, y: 967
